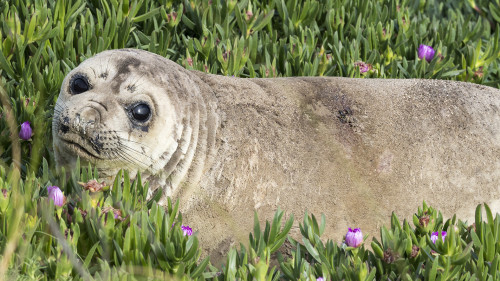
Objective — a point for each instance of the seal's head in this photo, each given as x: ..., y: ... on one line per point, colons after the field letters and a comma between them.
x: 129, y: 109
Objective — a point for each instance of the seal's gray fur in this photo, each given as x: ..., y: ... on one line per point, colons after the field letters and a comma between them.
x: 354, y: 149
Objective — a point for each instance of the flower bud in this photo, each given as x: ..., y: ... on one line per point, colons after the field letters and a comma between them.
x: 414, y: 251
x: 435, y: 235
x: 424, y: 221
x: 56, y: 195
x: 354, y: 238
x: 249, y: 15
x: 186, y: 230
x: 363, y: 67
x: 426, y: 52
x: 26, y: 131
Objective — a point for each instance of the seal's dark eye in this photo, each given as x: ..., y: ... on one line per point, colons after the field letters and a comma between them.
x: 79, y: 85
x: 141, y: 112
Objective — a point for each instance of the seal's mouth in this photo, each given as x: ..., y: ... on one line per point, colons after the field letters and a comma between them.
x: 81, y: 151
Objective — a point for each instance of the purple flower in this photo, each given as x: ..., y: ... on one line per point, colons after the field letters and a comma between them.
x: 435, y: 235
x: 426, y: 52
x: 186, y: 230
x: 320, y: 279
x: 363, y: 67
x: 354, y: 238
x: 56, y: 195
x: 26, y: 131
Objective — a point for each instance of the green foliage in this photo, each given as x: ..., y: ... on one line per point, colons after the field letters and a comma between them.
x: 254, y: 263
x: 96, y: 232
x: 315, y: 259
x: 403, y: 252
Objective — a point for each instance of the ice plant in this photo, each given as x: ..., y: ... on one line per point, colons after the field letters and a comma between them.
x: 26, y: 131
x: 426, y: 52
x: 354, y: 238
x: 435, y: 235
x: 56, y: 195
x: 186, y: 230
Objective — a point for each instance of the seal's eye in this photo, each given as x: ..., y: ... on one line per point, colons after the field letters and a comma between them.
x: 141, y: 112
x: 79, y: 85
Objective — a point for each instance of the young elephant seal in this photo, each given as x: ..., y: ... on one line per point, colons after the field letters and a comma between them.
x: 354, y: 149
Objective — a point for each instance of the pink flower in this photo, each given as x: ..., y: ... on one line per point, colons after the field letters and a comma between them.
x: 426, y: 52
x: 26, y: 131
x: 354, y: 238
x: 187, y: 230
x: 435, y: 235
x: 363, y: 67
x: 249, y: 15
x: 56, y: 195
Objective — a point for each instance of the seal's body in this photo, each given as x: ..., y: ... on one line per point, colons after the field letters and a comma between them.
x: 353, y: 149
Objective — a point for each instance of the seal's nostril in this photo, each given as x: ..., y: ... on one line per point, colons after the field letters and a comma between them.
x: 89, y: 115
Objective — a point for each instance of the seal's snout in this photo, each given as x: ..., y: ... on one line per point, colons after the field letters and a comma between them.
x: 85, y: 120
x: 89, y: 115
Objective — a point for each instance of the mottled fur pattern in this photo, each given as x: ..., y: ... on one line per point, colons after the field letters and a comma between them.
x: 354, y: 149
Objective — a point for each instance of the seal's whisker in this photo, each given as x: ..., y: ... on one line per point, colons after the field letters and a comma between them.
x: 128, y: 140
x: 63, y: 105
x: 130, y: 148
x: 129, y: 159
x: 134, y: 150
x: 138, y: 85
x: 59, y: 107
x: 123, y: 146
x: 136, y: 142
x: 128, y: 165
x: 119, y: 155
x: 138, y: 79
x: 57, y: 111
x: 151, y: 160
x: 146, y: 164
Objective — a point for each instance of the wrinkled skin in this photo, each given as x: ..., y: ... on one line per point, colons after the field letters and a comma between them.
x: 353, y: 149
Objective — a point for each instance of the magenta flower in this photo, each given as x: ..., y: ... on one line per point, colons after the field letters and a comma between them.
x: 186, y: 230
x: 320, y: 279
x: 426, y: 52
x: 354, y: 238
x: 363, y: 67
x: 26, y: 131
x: 435, y: 235
x: 56, y: 195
